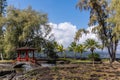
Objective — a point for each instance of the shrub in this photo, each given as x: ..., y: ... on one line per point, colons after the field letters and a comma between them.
x: 95, y: 55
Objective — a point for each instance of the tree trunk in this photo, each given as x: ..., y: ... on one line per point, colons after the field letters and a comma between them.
x: 112, y: 59
x: 92, y: 50
x: 112, y: 52
x: 93, y: 59
x: 1, y: 56
x: 64, y: 54
x: 81, y: 56
x: 74, y: 55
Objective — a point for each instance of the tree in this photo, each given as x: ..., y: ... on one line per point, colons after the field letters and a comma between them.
x: 50, y: 50
x: 79, y: 34
x: 2, y: 19
x: 61, y: 49
x: 91, y: 44
x: 80, y: 49
x: 96, y: 56
x: 3, y: 5
x: 115, y: 18
x: 73, y: 47
x: 25, y: 27
x: 99, y: 13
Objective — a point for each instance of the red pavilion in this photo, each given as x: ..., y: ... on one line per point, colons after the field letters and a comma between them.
x: 24, y: 52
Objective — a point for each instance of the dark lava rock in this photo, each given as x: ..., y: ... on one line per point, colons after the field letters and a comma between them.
x: 2, y: 73
x: 19, y: 65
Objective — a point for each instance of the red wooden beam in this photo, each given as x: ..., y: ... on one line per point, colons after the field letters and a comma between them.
x: 26, y: 56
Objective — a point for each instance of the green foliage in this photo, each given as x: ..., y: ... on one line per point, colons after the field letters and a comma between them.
x: 77, y: 48
x: 50, y: 50
x: 61, y: 49
x: 95, y: 55
x: 91, y: 44
x: 25, y: 27
x: 3, y: 5
x: 115, y: 18
x: 79, y: 33
x: 81, y: 48
x: 73, y: 47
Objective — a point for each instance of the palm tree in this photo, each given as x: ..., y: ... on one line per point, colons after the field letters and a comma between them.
x: 91, y: 44
x: 61, y: 49
x: 80, y: 49
x: 55, y: 44
x: 73, y: 47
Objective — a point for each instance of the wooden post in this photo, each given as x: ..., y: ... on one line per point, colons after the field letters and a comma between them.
x: 26, y: 57
x: 18, y: 58
x: 34, y: 57
x: 33, y: 54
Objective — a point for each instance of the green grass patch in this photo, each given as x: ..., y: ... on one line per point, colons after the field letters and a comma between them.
x: 1, y: 61
x: 65, y: 59
x: 75, y: 60
x: 105, y: 60
x: 81, y: 61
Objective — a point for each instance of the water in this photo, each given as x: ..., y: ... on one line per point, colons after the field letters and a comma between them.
x: 24, y: 68
x: 47, y: 65
x: 27, y: 67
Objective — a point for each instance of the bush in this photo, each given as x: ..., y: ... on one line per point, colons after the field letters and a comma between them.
x: 95, y: 55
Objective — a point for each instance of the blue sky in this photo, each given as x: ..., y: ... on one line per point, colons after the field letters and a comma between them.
x: 58, y: 11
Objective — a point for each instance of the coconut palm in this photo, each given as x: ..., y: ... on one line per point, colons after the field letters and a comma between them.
x: 73, y: 47
x: 56, y: 46
x: 91, y: 44
x: 61, y: 49
x: 80, y: 49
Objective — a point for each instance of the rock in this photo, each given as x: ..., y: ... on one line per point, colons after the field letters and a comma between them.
x: 5, y: 72
x: 19, y: 65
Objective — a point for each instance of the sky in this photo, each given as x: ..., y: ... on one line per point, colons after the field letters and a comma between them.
x: 58, y: 11
x: 64, y: 18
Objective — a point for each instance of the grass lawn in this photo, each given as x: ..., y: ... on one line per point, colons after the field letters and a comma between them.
x: 78, y: 61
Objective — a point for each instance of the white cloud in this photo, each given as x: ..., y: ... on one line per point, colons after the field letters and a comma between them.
x: 64, y: 32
